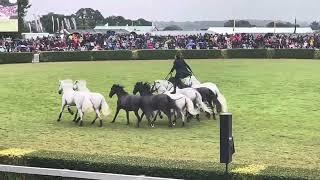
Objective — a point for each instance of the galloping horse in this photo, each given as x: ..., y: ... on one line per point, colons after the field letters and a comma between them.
x: 73, y: 98
x: 98, y: 101
x: 221, y: 100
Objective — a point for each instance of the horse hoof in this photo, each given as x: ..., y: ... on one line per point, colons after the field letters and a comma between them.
x: 161, y: 117
x: 152, y: 125
x: 58, y: 120
x: 174, y: 124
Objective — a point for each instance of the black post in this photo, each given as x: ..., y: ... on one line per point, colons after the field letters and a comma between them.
x: 226, y: 140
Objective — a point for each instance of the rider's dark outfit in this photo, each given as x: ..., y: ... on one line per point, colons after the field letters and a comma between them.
x: 183, y: 70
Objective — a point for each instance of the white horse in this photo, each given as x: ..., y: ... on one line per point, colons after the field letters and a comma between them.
x: 194, y: 83
x: 184, y: 104
x: 98, y: 101
x: 163, y: 86
x: 72, y: 98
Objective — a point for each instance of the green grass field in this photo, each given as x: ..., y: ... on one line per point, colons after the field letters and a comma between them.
x: 275, y: 106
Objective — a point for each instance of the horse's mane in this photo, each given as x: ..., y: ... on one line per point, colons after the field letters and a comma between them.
x: 147, y: 85
x: 118, y: 86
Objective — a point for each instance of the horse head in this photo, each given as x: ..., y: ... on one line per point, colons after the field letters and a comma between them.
x: 137, y: 87
x: 64, y: 84
x: 147, y: 86
x: 79, y: 83
x: 116, y: 89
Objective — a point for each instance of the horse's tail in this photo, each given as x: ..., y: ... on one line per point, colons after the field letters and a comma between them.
x: 202, y: 104
x: 222, y: 102
x: 105, y: 109
x: 190, y: 107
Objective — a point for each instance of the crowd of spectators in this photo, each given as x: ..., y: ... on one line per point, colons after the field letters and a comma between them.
x: 111, y: 41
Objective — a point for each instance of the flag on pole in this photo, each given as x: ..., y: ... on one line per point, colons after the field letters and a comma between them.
x: 274, y: 26
x: 41, y: 27
x: 62, y: 25
x: 65, y: 21
x: 69, y: 24
x: 30, y: 27
x: 52, y: 23
x: 74, y: 23
x: 234, y: 25
x: 36, y: 22
x: 295, y: 25
x: 58, y: 23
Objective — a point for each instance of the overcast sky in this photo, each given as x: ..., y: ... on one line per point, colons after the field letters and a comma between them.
x: 187, y: 10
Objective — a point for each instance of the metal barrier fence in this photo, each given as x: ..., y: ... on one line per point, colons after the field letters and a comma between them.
x: 71, y: 173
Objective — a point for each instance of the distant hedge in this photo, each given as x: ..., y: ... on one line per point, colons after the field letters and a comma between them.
x: 12, y: 58
x: 181, y: 169
x: 244, y: 53
x: 8, y: 58
x: 85, y: 56
x: 201, y: 54
x: 294, y: 54
x: 154, y: 54
x: 187, y: 54
x: 317, y: 54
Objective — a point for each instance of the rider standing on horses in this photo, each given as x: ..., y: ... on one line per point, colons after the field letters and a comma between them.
x: 183, y: 70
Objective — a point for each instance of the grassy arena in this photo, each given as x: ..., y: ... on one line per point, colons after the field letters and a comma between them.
x: 275, y: 104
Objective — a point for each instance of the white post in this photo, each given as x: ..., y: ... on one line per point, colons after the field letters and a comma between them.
x: 36, y: 58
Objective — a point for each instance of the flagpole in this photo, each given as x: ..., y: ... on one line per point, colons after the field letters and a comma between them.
x: 58, y: 23
x: 30, y: 27
x: 234, y: 24
x: 52, y: 24
x: 274, y: 26
x: 295, y: 25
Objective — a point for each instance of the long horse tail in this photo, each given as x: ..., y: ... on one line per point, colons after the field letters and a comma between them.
x: 222, y: 102
x: 202, y: 104
x: 105, y: 109
x: 190, y: 107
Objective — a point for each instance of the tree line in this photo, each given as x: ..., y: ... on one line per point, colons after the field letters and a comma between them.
x: 88, y: 18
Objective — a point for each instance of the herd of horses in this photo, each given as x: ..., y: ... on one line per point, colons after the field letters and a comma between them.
x: 191, y: 98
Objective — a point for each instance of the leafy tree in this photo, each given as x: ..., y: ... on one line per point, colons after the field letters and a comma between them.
x: 240, y: 23
x: 88, y: 18
x: 315, y: 25
x: 281, y: 24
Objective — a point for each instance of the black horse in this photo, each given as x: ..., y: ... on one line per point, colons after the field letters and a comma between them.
x: 126, y: 102
x: 144, y: 89
x: 151, y: 103
x: 208, y: 97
